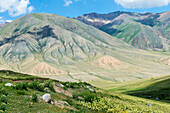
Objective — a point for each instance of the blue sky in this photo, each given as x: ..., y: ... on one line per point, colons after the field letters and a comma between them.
x: 12, y: 9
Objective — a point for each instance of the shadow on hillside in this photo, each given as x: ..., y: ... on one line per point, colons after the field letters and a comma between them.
x: 159, y: 91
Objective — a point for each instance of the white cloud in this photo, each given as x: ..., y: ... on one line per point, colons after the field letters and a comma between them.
x: 30, y: 9
x: 15, y: 7
x: 9, y: 21
x: 68, y: 2
x: 142, y: 4
x: 2, y: 20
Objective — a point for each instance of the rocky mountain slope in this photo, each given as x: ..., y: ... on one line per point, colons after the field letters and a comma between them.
x: 150, y: 31
x: 66, y: 49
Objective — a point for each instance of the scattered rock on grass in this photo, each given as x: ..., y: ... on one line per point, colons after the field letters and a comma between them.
x: 9, y: 84
x: 91, y: 89
x: 52, y: 102
x: 149, y: 104
x: 157, y: 98
x: 60, y: 90
x: 81, y: 98
x: 60, y: 85
x: 46, y: 97
x: 61, y: 103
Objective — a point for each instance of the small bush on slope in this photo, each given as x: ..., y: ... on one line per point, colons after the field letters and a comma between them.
x: 34, y: 98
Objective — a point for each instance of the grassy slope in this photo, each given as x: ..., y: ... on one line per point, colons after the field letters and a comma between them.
x: 23, y: 103
x: 102, y: 101
x: 158, y: 87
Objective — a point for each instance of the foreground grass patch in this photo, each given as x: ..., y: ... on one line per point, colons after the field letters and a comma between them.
x: 25, y: 96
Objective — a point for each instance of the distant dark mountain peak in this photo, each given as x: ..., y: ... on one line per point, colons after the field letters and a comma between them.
x: 143, y: 30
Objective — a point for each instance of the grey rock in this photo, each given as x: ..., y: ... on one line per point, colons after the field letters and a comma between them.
x: 60, y: 85
x: 91, y: 89
x: 157, y: 98
x: 46, y: 97
x: 9, y: 85
x: 149, y: 104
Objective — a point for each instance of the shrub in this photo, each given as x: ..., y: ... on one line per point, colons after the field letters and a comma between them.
x: 3, y: 106
x: 1, y: 80
x: 22, y: 86
x: 33, y: 85
x: 65, y: 88
x: 51, y: 87
x: 3, y: 91
x: 34, y: 98
x: 40, y: 87
x: 88, y: 96
x: 3, y: 99
x: 75, y: 96
x: 18, y: 86
x: 21, y: 92
x: 47, y: 83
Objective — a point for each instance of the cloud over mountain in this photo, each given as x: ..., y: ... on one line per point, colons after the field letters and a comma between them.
x: 15, y: 7
x: 142, y: 4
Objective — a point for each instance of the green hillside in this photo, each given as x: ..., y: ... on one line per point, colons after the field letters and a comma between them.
x: 26, y: 94
x: 153, y: 88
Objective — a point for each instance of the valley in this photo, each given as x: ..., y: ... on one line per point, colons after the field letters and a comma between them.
x: 100, y: 63
x: 52, y: 46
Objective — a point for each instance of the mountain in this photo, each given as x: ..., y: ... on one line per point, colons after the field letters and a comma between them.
x: 3, y: 24
x: 149, y: 31
x: 66, y: 49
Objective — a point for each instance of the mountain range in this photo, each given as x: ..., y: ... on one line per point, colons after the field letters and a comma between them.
x: 149, y: 31
x: 52, y: 46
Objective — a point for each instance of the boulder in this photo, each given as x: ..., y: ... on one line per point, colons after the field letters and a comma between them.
x: 9, y: 85
x: 60, y: 90
x: 46, y: 97
x: 60, y: 85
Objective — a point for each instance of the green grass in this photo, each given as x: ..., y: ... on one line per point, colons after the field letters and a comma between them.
x: 154, y: 88
x: 6, y: 74
x: 19, y: 98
